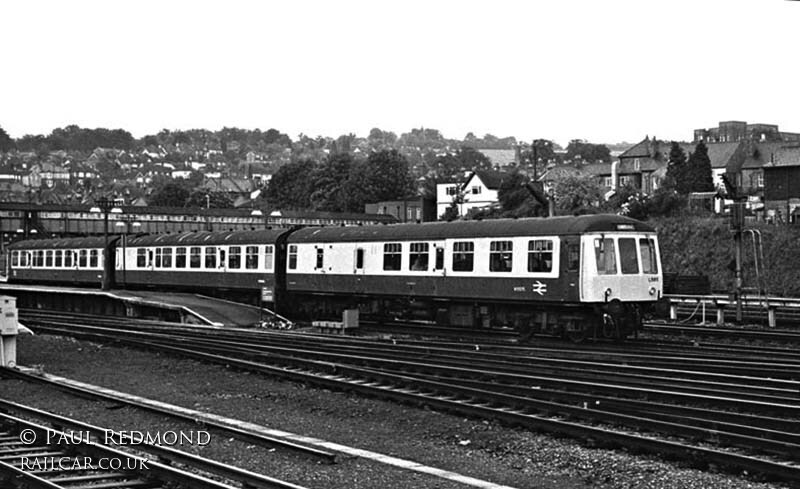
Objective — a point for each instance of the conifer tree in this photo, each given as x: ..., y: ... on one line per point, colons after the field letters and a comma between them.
x: 698, y: 171
x: 676, y: 169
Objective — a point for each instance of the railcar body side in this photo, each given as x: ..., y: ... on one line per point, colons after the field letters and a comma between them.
x: 68, y: 261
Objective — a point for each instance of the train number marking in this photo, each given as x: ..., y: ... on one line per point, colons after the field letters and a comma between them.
x: 539, y: 288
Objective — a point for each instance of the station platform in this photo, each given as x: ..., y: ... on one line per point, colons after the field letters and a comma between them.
x: 166, y: 306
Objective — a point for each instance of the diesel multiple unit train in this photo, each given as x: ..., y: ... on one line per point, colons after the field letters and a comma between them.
x: 567, y: 276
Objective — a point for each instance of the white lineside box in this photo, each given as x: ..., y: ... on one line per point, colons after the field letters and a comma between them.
x: 9, y: 328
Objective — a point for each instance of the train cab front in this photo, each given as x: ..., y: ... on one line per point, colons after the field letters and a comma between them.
x: 621, y: 278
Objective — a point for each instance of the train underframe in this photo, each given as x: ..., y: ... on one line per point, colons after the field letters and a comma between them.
x: 577, y: 322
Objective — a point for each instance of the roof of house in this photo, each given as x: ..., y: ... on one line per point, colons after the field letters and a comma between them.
x: 778, y: 154
x: 491, y: 178
x: 501, y: 157
x: 560, y: 171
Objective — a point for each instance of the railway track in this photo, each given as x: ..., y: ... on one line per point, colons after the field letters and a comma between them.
x: 69, y: 454
x: 734, y: 412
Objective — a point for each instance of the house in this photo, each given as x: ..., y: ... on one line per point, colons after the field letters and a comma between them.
x: 478, y: 191
x: 407, y: 210
x: 782, y: 184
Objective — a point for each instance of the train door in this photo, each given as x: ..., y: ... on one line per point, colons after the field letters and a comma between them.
x: 359, y: 265
x: 438, y: 259
x: 572, y: 267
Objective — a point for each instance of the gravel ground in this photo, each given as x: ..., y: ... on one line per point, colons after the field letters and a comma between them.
x: 476, y: 448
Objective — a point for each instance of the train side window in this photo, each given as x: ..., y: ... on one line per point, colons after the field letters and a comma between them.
x: 269, y: 253
x: 605, y: 256
x: 24, y: 258
x: 360, y: 259
x: 159, y: 255
x: 166, y: 261
x: 320, y: 258
x: 58, y: 258
x: 628, y: 260
x: 82, y: 258
x: 180, y: 257
x: 292, y: 257
x: 463, y: 256
x: 540, y: 255
x: 48, y: 258
x: 211, y: 257
x: 93, y: 260
x: 68, y: 258
x: 251, y: 257
x: 392, y: 256
x: 500, y: 256
x: 235, y: 257
x: 141, y: 258
x: 195, y: 257
x: 15, y: 258
x: 573, y: 257
x: 647, y: 249
x: 418, y: 257
x: 38, y: 258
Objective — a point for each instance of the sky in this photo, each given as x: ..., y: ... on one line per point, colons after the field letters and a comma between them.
x: 604, y: 71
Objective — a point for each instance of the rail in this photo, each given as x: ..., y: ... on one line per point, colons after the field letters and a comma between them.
x: 720, y: 302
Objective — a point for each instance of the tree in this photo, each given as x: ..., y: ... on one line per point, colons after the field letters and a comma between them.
x: 676, y: 178
x: 205, y: 198
x: 383, y: 176
x: 6, y: 143
x: 379, y: 140
x: 588, y: 152
x: 575, y: 194
x: 172, y: 194
x: 328, y: 182
x: 291, y: 186
x: 466, y: 159
x: 698, y: 170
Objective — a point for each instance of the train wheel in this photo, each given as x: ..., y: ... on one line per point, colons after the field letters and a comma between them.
x: 575, y: 333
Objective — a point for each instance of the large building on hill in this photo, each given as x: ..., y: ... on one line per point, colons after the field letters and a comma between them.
x: 735, y: 131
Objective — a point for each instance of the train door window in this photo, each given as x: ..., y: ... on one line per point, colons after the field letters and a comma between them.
x: 292, y: 257
x: 48, y: 258
x: 83, y: 257
x: 269, y: 252
x: 463, y: 256
x: 360, y: 259
x: 573, y: 257
x: 15, y: 258
x: 418, y: 257
x: 628, y: 256
x: 68, y: 258
x: 141, y: 258
x: 605, y: 256
x: 211, y: 257
x: 500, y: 256
x: 92, y: 258
x: 440, y: 258
x: 647, y: 249
x: 195, y: 257
x: 235, y: 257
x: 58, y: 258
x: 222, y: 261
x: 540, y: 255
x: 251, y: 257
x: 320, y: 258
x: 392, y: 256
x: 180, y: 257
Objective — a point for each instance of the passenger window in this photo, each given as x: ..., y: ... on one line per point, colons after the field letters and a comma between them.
x: 605, y: 256
x: 141, y: 258
x: 628, y: 256
x: 392, y: 256
x: 268, y: 254
x: 235, y: 257
x: 292, y: 257
x: 180, y: 257
x: 48, y: 258
x: 211, y: 257
x: 82, y: 258
x: 647, y: 249
x: 58, y: 259
x: 15, y: 258
x: 93, y: 260
x: 418, y: 257
x: 68, y: 258
x: 463, y: 256
x: 251, y: 257
x: 500, y: 256
x: 540, y: 255
x: 195, y: 257
x: 159, y: 255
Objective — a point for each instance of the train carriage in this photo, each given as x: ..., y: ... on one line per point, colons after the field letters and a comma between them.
x: 566, y: 275
x: 58, y: 261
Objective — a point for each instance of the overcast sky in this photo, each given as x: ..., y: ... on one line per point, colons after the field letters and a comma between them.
x: 605, y: 71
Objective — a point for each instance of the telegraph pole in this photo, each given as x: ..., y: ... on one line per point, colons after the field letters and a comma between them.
x: 737, y: 224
